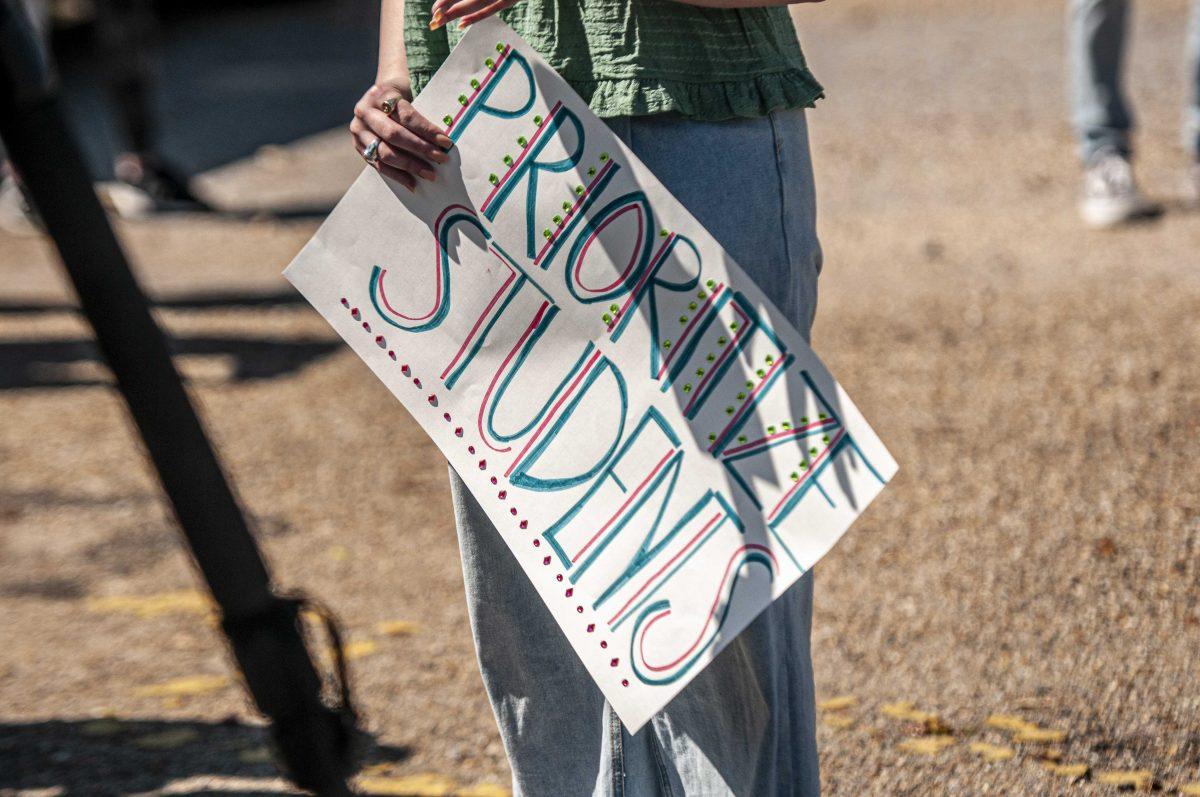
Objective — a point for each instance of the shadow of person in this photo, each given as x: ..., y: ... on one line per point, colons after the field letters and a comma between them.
x: 118, y: 756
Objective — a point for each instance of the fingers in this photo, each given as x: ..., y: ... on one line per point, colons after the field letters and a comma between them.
x: 398, y: 165
x: 404, y: 178
x: 487, y: 11
x: 466, y: 11
x: 401, y: 137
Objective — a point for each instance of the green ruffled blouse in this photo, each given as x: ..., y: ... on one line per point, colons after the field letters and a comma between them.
x: 638, y: 57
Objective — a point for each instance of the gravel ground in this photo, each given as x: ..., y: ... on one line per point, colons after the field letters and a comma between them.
x: 1036, y: 558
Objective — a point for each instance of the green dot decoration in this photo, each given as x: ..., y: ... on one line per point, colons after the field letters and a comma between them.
x: 558, y: 219
x: 603, y: 156
x: 683, y: 319
x: 537, y: 120
x: 786, y: 424
x: 711, y: 284
x: 591, y: 171
x: 804, y: 464
x: 522, y: 141
x: 712, y: 438
x: 493, y: 179
x: 462, y: 99
x: 770, y: 430
x: 761, y: 373
x: 770, y: 360
x: 508, y: 160
x: 448, y: 119
x: 699, y: 372
x: 613, y: 307
x: 666, y: 344
x: 499, y: 47
x: 663, y: 233
x: 733, y: 325
x: 741, y: 397
x: 795, y: 476
x: 749, y: 385
x: 701, y: 295
x: 692, y: 305
x: 687, y: 388
x: 566, y: 206
x: 804, y: 419
x: 607, y: 318
x: 825, y: 439
x: 545, y: 233
x: 474, y: 83
x: 711, y: 357
x: 741, y: 438
x: 729, y: 410
x: 813, y: 451
x: 490, y: 63
x: 579, y: 190
x: 721, y: 341
x: 822, y: 416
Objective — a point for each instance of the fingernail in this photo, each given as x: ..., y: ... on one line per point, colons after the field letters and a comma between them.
x: 462, y: 24
x: 443, y: 141
x: 439, y: 156
x: 429, y: 174
x: 437, y: 21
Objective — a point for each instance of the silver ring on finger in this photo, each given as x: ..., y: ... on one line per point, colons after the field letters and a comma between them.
x: 370, y: 153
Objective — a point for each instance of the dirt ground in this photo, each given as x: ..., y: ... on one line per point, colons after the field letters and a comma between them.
x: 1037, y: 557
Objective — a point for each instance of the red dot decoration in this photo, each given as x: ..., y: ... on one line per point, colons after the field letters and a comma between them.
x: 591, y: 627
x: 570, y: 591
x: 579, y: 609
x: 470, y: 449
x: 483, y: 464
x: 392, y: 354
x: 524, y: 524
x: 603, y: 643
x: 458, y: 432
x: 502, y: 494
x: 446, y: 415
x: 417, y: 382
x: 433, y: 399
x: 380, y: 341
x: 546, y: 561
x: 558, y: 577
x: 493, y: 480
x: 512, y: 511
x: 537, y: 543
x: 624, y: 682
x: 614, y: 662
x: 345, y: 302
x: 366, y: 326
x: 404, y: 369
x: 357, y: 315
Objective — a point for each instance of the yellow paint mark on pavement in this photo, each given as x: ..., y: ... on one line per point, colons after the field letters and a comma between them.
x: 839, y: 703
x: 992, y: 752
x: 485, y: 790
x: 905, y: 710
x: 359, y: 649
x: 1138, y: 779
x: 1190, y: 789
x: 194, y: 685
x: 837, y: 720
x: 146, y: 606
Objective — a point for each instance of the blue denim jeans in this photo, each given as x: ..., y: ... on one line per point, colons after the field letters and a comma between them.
x: 1100, y: 111
x: 746, y: 724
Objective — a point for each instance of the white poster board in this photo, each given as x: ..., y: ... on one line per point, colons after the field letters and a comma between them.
x: 661, y: 450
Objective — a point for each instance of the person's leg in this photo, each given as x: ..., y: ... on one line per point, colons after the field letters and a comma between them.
x: 747, y: 724
x: 1095, y: 57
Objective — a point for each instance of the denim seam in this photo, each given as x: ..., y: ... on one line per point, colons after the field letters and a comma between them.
x: 618, y: 754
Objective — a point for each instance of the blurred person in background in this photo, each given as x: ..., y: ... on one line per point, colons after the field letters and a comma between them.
x: 710, y: 95
x: 126, y: 32
x: 1103, y: 119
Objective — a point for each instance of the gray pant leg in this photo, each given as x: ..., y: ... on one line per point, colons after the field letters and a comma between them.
x: 1096, y: 32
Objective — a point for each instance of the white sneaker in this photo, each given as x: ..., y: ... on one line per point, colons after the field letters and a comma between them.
x: 1110, y: 195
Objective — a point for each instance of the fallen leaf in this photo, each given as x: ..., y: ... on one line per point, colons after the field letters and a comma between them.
x: 1138, y: 779
x: 837, y: 703
x: 397, y: 627
x: 145, y: 606
x: 195, y: 685
x: 904, y: 710
x: 411, y: 786
x: 255, y: 755
x: 837, y: 720
x: 485, y: 790
x: 1037, y: 735
x: 105, y: 726
x: 359, y: 649
x: 167, y: 740
x: 992, y: 752
x: 930, y: 745
x: 1072, y: 771
x: 1008, y: 722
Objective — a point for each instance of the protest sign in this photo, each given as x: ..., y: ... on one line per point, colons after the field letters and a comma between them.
x: 661, y: 450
